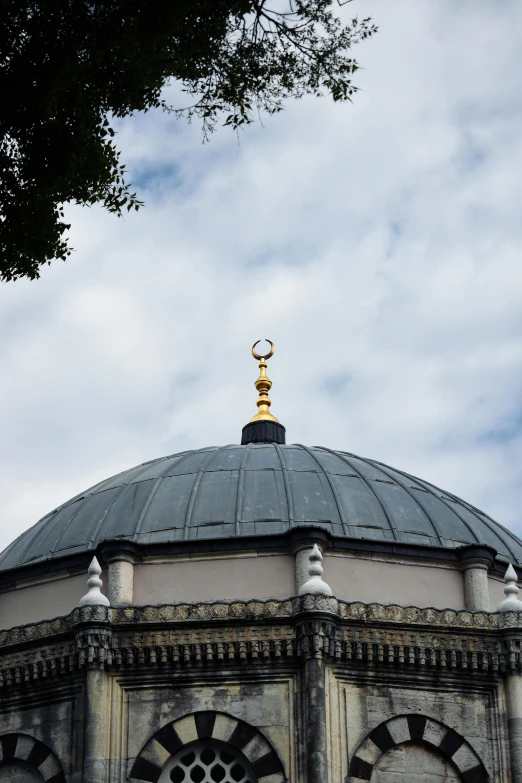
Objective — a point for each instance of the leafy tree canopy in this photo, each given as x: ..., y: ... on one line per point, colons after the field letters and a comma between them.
x: 68, y: 67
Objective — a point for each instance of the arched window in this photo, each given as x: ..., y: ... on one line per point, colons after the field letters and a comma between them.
x: 208, y: 747
x: 24, y: 759
x: 418, y: 746
x: 208, y: 761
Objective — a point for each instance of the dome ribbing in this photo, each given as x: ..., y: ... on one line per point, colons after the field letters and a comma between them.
x: 259, y: 490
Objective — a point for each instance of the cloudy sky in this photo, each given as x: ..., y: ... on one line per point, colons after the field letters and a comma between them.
x: 378, y: 245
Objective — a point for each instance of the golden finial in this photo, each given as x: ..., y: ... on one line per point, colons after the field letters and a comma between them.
x: 263, y: 385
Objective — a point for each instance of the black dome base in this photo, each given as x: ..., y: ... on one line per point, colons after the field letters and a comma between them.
x: 263, y: 432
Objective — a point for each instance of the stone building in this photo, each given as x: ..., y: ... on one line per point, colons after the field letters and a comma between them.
x: 219, y: 651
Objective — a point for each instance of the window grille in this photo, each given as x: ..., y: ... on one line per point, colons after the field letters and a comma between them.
x: 208, y: 761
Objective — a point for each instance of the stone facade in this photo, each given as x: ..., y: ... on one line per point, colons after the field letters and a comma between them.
x: 309, y: 690
x: 408, y: 763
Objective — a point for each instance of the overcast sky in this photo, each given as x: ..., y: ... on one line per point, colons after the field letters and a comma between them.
x: 377, y: 244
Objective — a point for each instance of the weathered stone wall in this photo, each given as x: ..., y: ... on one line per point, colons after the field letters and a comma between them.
x: 41, y: 733
x: 357, y: 708
x: 414, y: 763
x: 261, y: 698
x: 109, y: 695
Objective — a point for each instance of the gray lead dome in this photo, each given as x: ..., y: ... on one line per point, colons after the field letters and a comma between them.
x: 257, y: 490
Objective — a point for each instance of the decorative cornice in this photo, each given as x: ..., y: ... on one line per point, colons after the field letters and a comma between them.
x: 261, y: 610
x: 219, y: 610
x: 415, y: 616
x: 184, y: 635
x: 509, y: 620
x: 32, y: 632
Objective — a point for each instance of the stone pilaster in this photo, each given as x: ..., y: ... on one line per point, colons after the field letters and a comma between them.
x: 316, y: 637
x: 121, y: 582
x: 476, y: 560
x: 476, y: 592
x: 513, y: 686
x: 97, y: 712
x: 316, y: 740
x: 92, y: 641
x: 510, y: 625
x: 120, y: 558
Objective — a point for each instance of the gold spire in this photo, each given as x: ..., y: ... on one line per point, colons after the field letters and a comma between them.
x: 263, y: 385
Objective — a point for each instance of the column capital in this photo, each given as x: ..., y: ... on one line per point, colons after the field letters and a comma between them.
x: 476, y: 556
x: 305, y: 537
x: 117, y: 551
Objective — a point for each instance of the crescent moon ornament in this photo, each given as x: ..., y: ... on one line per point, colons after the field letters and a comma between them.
x: 267, y: 355
x: 263, y: 385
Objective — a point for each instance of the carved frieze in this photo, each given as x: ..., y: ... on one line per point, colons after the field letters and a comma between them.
x: 250, y: 631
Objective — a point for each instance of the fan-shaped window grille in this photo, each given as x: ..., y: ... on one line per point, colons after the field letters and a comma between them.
x: 208, y: 761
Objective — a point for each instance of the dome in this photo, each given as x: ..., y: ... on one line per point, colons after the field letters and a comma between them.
x: 259, y: 490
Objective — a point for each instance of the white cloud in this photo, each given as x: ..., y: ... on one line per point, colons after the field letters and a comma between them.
x: 377, y: 244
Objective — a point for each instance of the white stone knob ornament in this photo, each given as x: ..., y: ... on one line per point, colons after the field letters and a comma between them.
x: 94, y: 595
x: 511, y: 602
x: 315, y: 585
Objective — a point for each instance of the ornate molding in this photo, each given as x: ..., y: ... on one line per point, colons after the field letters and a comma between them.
x: 255, y: 610
x: 510, y: 620
x: 249, y: 631
x: 35, y: 631
x: 421, y: 650
x: 219, y: 610
x: 38, y: 664
x: 413, y: 615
